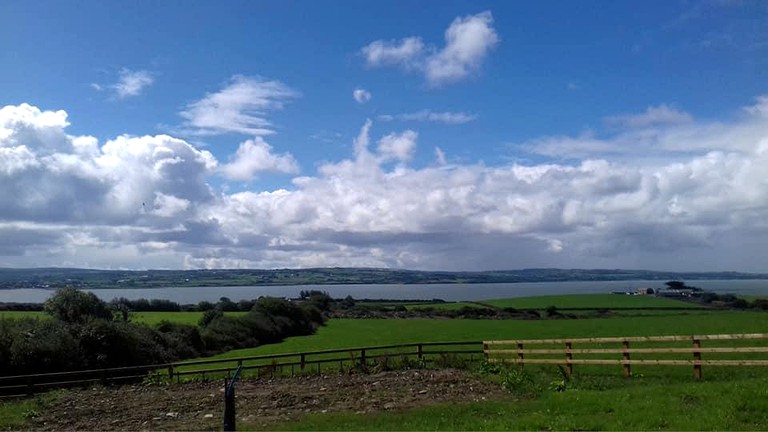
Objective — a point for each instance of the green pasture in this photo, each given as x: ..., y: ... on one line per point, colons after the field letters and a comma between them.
x: 352, y: 333
x: 451, y: 306
x: 592, y: 301
x: 639, y: 405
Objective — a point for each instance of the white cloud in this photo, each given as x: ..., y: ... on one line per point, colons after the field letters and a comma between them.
x: 240, y: 107
x: 468, y: 40
x: 451, y: 118
x: 653, y: 116
x: 361, y: 96
x: 398, y: 146
x: 254, y: 156
x: 129, y: 83
x: 393, y: 53
x: 145, y: 202
x: 132, y: 83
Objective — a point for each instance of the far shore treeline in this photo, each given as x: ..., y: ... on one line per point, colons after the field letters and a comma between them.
x: 52, y: 278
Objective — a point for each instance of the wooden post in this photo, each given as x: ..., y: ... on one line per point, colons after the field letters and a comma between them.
x: 303, y: 361
x: 170, y: 373
x: 568, y: 358
x: 697, y: 359
x: 362, y: 358
x: 420, y: 351
x: 627, y: 366
x: 520, y: 355
x: 485, y: 351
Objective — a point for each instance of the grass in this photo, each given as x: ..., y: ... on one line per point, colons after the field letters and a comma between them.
x: 592, y: 301
x: 14, y: 414
x: 445, y: 306
x: 350, y: 333
x: 639, y: 405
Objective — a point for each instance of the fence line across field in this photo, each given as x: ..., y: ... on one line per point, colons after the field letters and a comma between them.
x: 516, y: 351
x: 520, y: 354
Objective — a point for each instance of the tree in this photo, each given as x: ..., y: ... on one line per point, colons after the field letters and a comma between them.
x: 73, y: 306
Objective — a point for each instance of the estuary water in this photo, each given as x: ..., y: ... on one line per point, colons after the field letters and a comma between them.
x: 448, y: 292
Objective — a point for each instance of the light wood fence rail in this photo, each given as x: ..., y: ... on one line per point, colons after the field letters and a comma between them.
x: 519, y: 351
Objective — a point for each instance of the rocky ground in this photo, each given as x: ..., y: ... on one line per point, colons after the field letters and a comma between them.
x: 260, y: 403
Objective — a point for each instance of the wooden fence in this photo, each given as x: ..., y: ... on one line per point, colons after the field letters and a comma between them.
x: 271, y: 364
x: 582, y: 351
x: 566, y: 352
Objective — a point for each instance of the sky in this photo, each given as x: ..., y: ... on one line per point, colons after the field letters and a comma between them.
x: 432, y: 135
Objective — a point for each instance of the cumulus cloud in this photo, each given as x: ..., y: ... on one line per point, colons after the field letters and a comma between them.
x: 393, y: 53
x: 146, y: 202
x: 468, y: 40
x: 254, y: 156
x: 398, y: 146
x: 361, y: 96
x: 240, y: 107
x: 450, y: 118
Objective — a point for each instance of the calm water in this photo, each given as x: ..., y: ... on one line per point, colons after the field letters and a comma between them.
x: 449, y: 292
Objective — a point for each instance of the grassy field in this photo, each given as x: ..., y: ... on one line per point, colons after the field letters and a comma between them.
x: 593, y: 301
x: 348, y: 333
x: 445, y: 306
x: 725, y: 405
x: 664, y: 398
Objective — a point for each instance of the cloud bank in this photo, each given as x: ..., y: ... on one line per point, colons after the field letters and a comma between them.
x: 697, y: 199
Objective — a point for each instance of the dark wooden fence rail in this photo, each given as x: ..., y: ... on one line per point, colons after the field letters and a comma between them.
x: 521, y: 354
x: 270, y: 363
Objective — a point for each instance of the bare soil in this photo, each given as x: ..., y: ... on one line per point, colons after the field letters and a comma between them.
x: 260, y: 403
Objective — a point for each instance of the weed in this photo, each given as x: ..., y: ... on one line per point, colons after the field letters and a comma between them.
x: 487, y: 368
x: 520, y: 382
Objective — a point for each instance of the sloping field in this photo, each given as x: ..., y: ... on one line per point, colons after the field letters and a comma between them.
x: 348, y: 333
x: 591, y: 301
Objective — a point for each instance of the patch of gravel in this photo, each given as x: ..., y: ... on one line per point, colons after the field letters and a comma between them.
x: 260, y: 403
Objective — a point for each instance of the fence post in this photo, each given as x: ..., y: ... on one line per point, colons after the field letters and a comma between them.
x: 362, y: 358
x: 520, y: 355
x: 303, y: 361
x: 420, y: 351
x: 485, y: 351
x: 170, y: 373
x: 696, y: 358
x: 627, y: 366
x: 569, y: 357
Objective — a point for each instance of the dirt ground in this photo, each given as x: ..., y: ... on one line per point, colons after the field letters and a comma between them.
x: 261, y: 403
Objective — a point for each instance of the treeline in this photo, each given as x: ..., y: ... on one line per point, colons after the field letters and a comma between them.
x: 85, y: 332
x: 151, y: 305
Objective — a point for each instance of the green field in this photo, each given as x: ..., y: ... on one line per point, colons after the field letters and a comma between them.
x: 727, y: 405
x: 451, y: 306
x: 350, y: 333
x: 599, y: 398
x: 592, y: 301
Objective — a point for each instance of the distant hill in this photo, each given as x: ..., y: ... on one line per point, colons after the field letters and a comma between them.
x: 89, y: 278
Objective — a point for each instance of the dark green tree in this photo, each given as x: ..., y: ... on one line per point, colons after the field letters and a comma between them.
x: 73, y: 306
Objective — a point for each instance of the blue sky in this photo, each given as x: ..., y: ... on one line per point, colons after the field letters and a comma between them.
x: 387, y: 134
